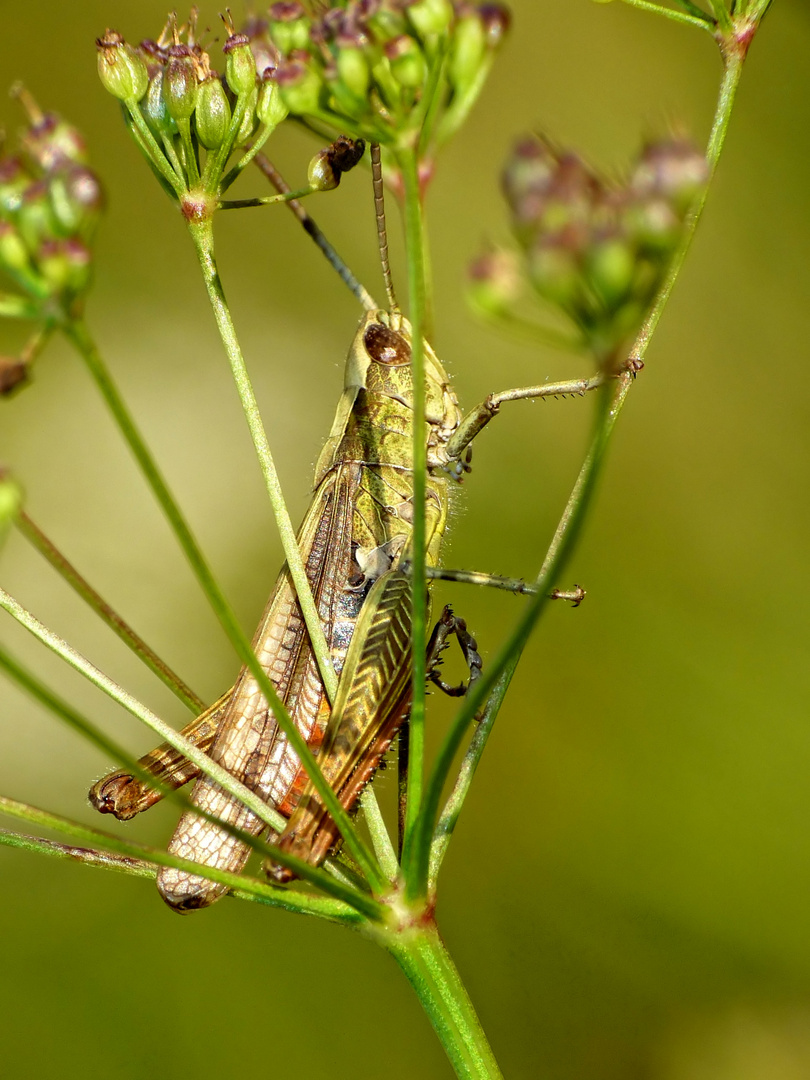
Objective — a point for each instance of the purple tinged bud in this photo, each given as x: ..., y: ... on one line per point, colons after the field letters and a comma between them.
x: 180, y: 83
x: 213, y: 115
x: 300, y: 86
x: 671, y: 169
x: 121, y: 69
x: 153, y: 55
x: 240, y: 67
x: 77, y: 200
x: 494, y: 282
x: 496, y: 20
x: 51, y: 143
x: 289, y: 27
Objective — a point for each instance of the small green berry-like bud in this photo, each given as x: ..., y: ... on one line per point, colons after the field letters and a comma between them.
x: 300, y: 87
x: 213, y: 115
x: 321, y: 174
x: 240, y: 67
x: 121, y: 70
x: 249, y: 120
x: 353, y: 70
x: 11, y: 496
x: 610, y: 266
x: 289, y: 26
x: 555, y: 273
x: 180, y: 84
x: 154, y: 109
x: 467, y: 51
x: 408, y: 64
x: 13, y: 252
x: 430, y: 17
x: 494, y: 282
x: 77, y: 200
x: 270, y: 109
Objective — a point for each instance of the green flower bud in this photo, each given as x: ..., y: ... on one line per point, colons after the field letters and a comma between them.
x: 14, y: 179
x: 555, y: 273
x: 77, y: 200
x: 300, y: 87
x: 65, y: 266
x: 11, y: 496
x: 289, y: 27
x: 213, y: 115
x: 181, y: 86
x: 672, y: 169
x: 494, y: 282
x: 154, y: 109
x: 121, y: 70
x: 13, y: 252
x: 430, y: 17
x: 249, y: 120
x: 610, y: 265
x: 353, y: 71
x: 271, y: 109
x: 408, y: 64
x: 36, y: 220
x: 50, y: 143
x: 240, y: 67
x: 467, y: 51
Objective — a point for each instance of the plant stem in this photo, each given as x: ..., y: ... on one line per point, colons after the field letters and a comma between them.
x: 499, y: 674
x: 676, y: 16
x: 414, y: 237
x: 431, y: 972
x: 202, y: 235
x: 60, y: 563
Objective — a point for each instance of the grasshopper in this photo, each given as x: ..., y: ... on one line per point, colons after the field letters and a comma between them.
x: 355, y: 541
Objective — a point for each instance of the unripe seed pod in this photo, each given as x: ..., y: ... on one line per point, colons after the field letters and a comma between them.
x: 321, y: 174
x: 353, y: 70
x: 213, y: 115
x: 494, y: 282
x: 610, y: 266
x: 430, y: 17
x: 408, y: 64
x: 289, y: 26
x: 51, y: 142
x: 249, y: 121
x: 300, y: 87
x: 36, y: 220
x: 13, y: 252
x: 555, y: 273
x: 240, y: 67
x: 121, y: 70
x: 154, y: 109
x: 467, y: 51
x: 496, y: 20
x: 77, y: 200
x: 180, y: 84
x: 271, y: 109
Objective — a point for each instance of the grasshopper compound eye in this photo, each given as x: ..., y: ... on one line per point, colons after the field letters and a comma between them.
x: 384, y: 346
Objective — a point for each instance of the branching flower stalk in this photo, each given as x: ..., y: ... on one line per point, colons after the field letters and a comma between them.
x: 404, y: 76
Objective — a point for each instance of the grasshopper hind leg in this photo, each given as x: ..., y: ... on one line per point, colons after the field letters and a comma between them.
x: 450, y: 625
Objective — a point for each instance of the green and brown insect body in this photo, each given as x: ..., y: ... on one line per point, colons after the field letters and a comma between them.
x: 355, y: 535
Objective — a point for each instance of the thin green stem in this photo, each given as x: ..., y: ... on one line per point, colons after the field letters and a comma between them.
x: 33, y: 686
x: 409, y: 168
x: 265, y: 200
x: 499, y: 674
x: 675, y: 16
x: 202, y: 236
x: 431, y: 972
x: 380, y: 837
x: 247, y: 886
x: 46, y: 547
x: 153, y: 152
x: 18, y: 307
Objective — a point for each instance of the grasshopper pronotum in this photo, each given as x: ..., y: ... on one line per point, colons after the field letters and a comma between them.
x: 355, y: 542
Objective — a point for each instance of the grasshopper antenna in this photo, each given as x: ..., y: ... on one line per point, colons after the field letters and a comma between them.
x: 312, y: 229
x: 382, y: 231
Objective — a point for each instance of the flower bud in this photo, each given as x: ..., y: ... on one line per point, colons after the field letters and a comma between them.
x: 77, y: 200
x: 408, y: 64
x: 327, y: 167
x: 270, y: 108
x: 14, y: 179
x: 494, y: 282
x: 289, y: 26
x: 51, y: 142
x: 155, y: 111
x: 300, y: 86
x: 36, y: 220
x: 180, y: 84
x: 240, y: 67
x: 430, y: 17
x: 610, y: 264
x: 121, y: 70
x: 672, y: 169
x: 467, y: 51
x: 213, y: 114
x: 249, y: 119
x: 353, y: 70
x: 321, y: 174
x: 496, y: 19
x: 555, y: 273
x: 11, y: 496
x: 13, y: 252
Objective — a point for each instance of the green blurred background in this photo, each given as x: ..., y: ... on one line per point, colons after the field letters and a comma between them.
x: 627, y: 895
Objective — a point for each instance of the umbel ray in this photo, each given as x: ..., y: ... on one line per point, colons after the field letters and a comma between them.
x: 356, y: 545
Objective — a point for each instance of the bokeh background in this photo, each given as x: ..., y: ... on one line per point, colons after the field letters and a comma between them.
x: 628, y: 894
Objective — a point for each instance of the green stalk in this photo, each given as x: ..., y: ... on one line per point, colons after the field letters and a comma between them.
x: 499, y: 674
x: 676, y: 16
x: 37, y: 538
x: 414, y: 236
x: 431, y: 972
x: 268, y: 894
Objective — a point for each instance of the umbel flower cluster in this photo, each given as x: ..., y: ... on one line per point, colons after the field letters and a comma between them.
x: 402, y: 73
x: 50, y: 204
x: 394, y: 72
x: 596, y: 251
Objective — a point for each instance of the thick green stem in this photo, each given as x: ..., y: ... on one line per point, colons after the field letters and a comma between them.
x: 431, y: 972
x: 414, y: 236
